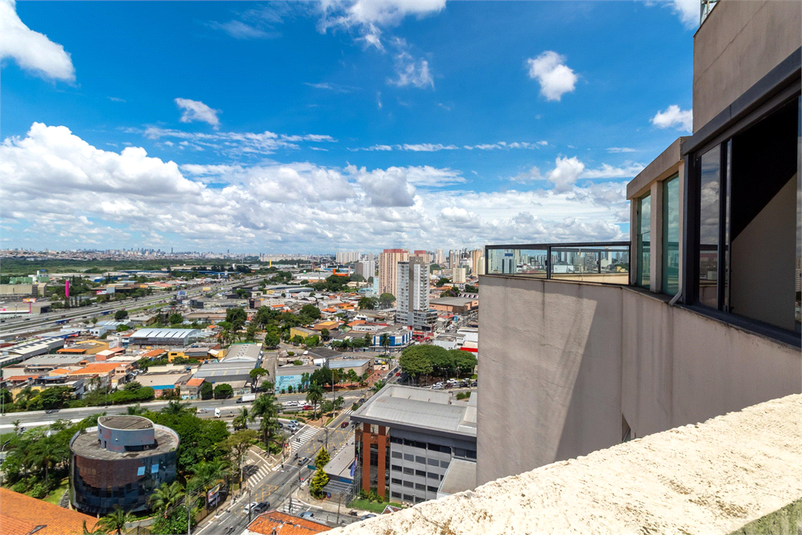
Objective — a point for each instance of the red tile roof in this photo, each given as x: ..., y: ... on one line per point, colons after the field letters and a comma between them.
x: 195, y: 382
x: 285, y: 524
x: 22, y: 514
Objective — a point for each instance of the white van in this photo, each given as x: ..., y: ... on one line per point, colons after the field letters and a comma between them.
x: 217, y: 413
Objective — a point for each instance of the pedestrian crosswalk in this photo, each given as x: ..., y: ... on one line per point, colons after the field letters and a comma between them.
x: 260, y: 474
x: 294, y: 507
x: 303, y: 436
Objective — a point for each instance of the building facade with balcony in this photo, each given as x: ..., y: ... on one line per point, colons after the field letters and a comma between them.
x: 588, y: 345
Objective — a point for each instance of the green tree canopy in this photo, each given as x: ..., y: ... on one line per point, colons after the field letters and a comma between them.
x: 206, y: 390
x: 368, y: 303
x: 386, y: 300
x: 120, y: 315
x: 417, y: 360
x: 223, y: 391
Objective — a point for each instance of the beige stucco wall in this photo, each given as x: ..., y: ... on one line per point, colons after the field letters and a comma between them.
x: 550, y: 370
x: 738, y: 44
x: 563, y: 362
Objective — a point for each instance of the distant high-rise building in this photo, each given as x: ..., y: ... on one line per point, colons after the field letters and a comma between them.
x: 366, y: 268
x: 388, y: 260
x: 458, y: 275
x: 423, y: 255
x: 453, y: 259
x: 439, y: 257
x: 476, y: 260
x: 412, y: 294
x: 347, y: 257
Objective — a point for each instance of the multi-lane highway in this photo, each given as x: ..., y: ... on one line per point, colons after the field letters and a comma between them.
x: 13, y: 327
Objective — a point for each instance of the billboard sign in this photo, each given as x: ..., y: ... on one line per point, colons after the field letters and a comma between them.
x: 213, y: 496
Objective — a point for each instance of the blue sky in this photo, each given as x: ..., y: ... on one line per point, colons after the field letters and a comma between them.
x: 334, y: 125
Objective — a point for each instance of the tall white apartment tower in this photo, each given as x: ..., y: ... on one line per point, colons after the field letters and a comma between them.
x: 440, y: 258
x: 412, y: 294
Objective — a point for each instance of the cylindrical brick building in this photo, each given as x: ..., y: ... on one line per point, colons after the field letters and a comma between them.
x: 120, y: 462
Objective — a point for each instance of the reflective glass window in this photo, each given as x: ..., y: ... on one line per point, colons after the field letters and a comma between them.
x: 709, y: 226
x: 671, y: 210
x: 644, y: 240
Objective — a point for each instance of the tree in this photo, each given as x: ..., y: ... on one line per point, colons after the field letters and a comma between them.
x: 223, y: 391
x: 384, y: 340
x: 442, y: 282
x: 116, y: 520
x: 417, y: 360
x: 255, y: 374
x: 120, y: 315
x: 471, y: 289
x: 206, y: 474
x: 175, y: 319
x: 176, y: 407
x: 311, y: 312
x: 322, y: 458
x: 368, y: 303
x: 386, y: 300
x: 319, y: 480
x: 324, y: 333
x: 272, y: 340
x: 265, y: 408
x: 297, y: 339
x: 136, y: 410
x: 378, y: 386
x: 352, y: 376
x: 451, y: 292
x: 312, y: 341
x: 122, y: 328
x: 241, y: 420
x: 166, y: 496
x: 315, y: 395
x: 250, y: 332
x: 237, y: 445
x: 96, y: 530
x: 206, y: 390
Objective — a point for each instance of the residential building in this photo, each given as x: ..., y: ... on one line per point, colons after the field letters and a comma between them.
x: 23, y: 515
x: 703, y: 318
x: 439, y: 257
x: 422, y: 254
x: 347, y: 257
x: 366, y: 268
x: 459, y: 275
x: 388, y: 262
x: 278, y: 523
x: 407, y: 438
x: 477, y: 262
x: 120, y: 463
x: 412, y: 294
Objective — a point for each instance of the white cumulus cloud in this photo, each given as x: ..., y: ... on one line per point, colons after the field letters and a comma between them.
x: 555, y: 78
x: 31, y: 50
x: 673, y: 116
x: 413, y: 72
x: 195, y: 110
x: 565, y: 173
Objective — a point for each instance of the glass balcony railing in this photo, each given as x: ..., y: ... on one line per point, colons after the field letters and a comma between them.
x: 606, y: 262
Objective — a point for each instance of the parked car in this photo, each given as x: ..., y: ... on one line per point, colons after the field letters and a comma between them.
x: 307, y: 407
x: 307, y: 514
x: 248, y: 507
x: 344, y: 424
x: 365, y: 517
x: 261, y: 506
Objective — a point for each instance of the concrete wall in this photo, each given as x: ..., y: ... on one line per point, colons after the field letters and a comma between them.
x: 763, y: 260
x: 562, y: 363
x: 738, y: 44
x: 550, y: 378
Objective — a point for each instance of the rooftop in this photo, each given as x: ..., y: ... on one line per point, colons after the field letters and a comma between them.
x: 125, y: 422
x: 347, y: 363
x: 274, y: 523
x: 396, y: 405
x: 714, y: 477
x: 178, y: 334
x: 22, y: 515
x: 87, y: 445
x: 452, y: 301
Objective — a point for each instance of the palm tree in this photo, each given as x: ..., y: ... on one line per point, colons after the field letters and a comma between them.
x: 207, y: 474
x: 384, y: 340
x: 166, y: 496
x: 136, y: 410
x: 265, y: 407
x: 97, y: 530
x: 314, y: 396
x: 241, y: 420
x: 116, y: 520
x: 175, y: 407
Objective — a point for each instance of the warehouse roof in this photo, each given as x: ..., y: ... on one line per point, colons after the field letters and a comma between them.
x: 396, y: 405
x: 347, y: 363
x: 178, y: 334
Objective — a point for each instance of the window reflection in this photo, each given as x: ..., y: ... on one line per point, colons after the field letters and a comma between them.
x: 644, y: 240
x: 671, y: 210
x: 710, y: 208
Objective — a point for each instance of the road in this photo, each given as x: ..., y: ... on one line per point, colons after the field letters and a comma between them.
x: 11, y: 328
x: 228, y: 408
x: 278, y: 486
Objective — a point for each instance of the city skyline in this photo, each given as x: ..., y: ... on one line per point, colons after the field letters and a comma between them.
x: 314, y: 127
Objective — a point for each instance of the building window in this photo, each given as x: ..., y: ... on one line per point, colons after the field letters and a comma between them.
x: 407, y: 498
x: 421, y: 460
x: 409, y: 484
x: 419, y: 486
x: 431, y: 489
x: 434, y: 462
x: 395, y: 468
x: 408, y: 457
x: 432, y: 475
x: 409, y: 471
x: 396, y: 455
x: 140, y: 471
x: 396, y: 481
x: 671, y: 214
x: 644, y: 240
x: 396, y: 495
x: 421, y: 473
x: 444, y: 464
x: 709, y: 226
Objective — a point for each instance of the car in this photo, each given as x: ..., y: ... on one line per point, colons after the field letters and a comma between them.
x: 344, y: 424
x: 302, y: 461
x: 249, y: 507
x: 260, y: 507
x: 307, y: 514
x: 51, y: 411
x: 307, y: 407
x: 365, y: 517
